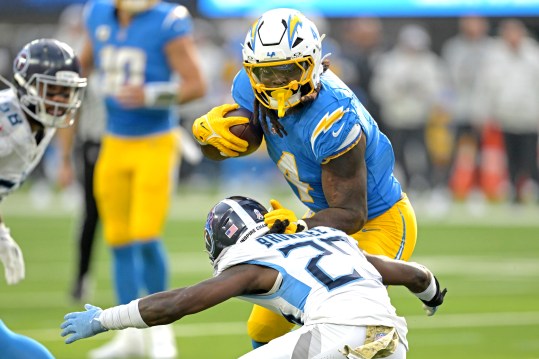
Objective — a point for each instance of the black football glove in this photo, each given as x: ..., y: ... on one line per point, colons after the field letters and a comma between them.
x: 432, y: 305
x: 279, y: 226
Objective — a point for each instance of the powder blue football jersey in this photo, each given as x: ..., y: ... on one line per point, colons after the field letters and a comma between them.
x: 134, y: 55
x: 322, y: 130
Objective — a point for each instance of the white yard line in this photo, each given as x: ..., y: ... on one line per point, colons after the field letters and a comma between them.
x: 471, y: 320
x: 60, y: 300
x: 473, y: 266
x: 476, y: 268
x: 195, y: 204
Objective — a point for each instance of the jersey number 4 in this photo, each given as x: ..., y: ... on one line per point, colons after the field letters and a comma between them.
x: 313, y: 266
x: 287, y: 165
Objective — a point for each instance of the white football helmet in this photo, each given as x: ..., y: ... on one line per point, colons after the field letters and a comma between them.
x: 282, y: 55
x: 135, y: 6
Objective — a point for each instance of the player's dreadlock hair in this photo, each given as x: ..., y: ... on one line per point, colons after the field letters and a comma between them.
x: 262, y: 113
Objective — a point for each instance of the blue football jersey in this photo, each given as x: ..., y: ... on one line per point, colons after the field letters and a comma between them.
x: 323, y: 130
x: 134, y: 55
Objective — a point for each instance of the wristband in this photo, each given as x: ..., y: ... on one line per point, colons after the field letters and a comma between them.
x: 429, y: 293
x: 160, y: 94
x: 122, y: 316
x: 301, y: 222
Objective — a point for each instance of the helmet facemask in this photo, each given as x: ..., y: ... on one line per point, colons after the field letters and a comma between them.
x: 46, y: 77
x: 277, y: 85
x: 283, y: 42
x: 52, y: 100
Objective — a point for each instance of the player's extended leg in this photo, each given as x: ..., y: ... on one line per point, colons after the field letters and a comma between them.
x: 112, y: 188
x: 113, y: 183
x: 154, y: 179
x: 89, y: 222
x: 153, y: 183
x: 16, y: 346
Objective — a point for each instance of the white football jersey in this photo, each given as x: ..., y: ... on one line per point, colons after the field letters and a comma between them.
x: 19, y: 151
x: 324, y: 278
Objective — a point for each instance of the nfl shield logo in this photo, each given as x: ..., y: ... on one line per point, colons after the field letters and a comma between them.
x: 230, y: 232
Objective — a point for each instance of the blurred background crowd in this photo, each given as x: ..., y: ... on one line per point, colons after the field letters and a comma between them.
x: 457, y: 95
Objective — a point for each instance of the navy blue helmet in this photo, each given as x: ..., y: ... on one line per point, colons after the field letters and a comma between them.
x: 233, y: 220
x: 46, y: 75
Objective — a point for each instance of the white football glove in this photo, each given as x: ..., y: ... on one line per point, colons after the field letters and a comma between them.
x: 11, y: 257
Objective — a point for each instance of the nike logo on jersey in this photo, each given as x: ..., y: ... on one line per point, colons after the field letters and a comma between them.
x: 369, y: 229
x: 336, y: 133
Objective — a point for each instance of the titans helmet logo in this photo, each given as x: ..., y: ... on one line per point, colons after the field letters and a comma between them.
x: 21, y: 63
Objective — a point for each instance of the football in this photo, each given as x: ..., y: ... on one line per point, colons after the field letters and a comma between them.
x: 250, y: 132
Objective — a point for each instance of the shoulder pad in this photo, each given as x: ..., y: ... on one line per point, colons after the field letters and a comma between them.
x: 334, y: 133
x: 11, y: 115
x: 178, y: 20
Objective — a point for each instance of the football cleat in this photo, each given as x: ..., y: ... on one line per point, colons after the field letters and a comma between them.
x: 162, y: 342
x: 128, y: 343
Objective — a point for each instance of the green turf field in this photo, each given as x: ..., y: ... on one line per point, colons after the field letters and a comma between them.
x: 490, y: 266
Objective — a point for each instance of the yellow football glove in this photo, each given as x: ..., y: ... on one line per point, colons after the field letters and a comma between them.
x: 280, y: 215
x: 213, y: 129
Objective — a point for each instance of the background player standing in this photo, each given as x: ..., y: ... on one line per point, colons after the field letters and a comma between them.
x: 138, y: 48
x: 46, y: 95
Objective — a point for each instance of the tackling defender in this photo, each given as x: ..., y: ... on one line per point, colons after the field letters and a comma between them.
x: 318, y: 279
x: 328, y: 147
x: 45, y: 95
